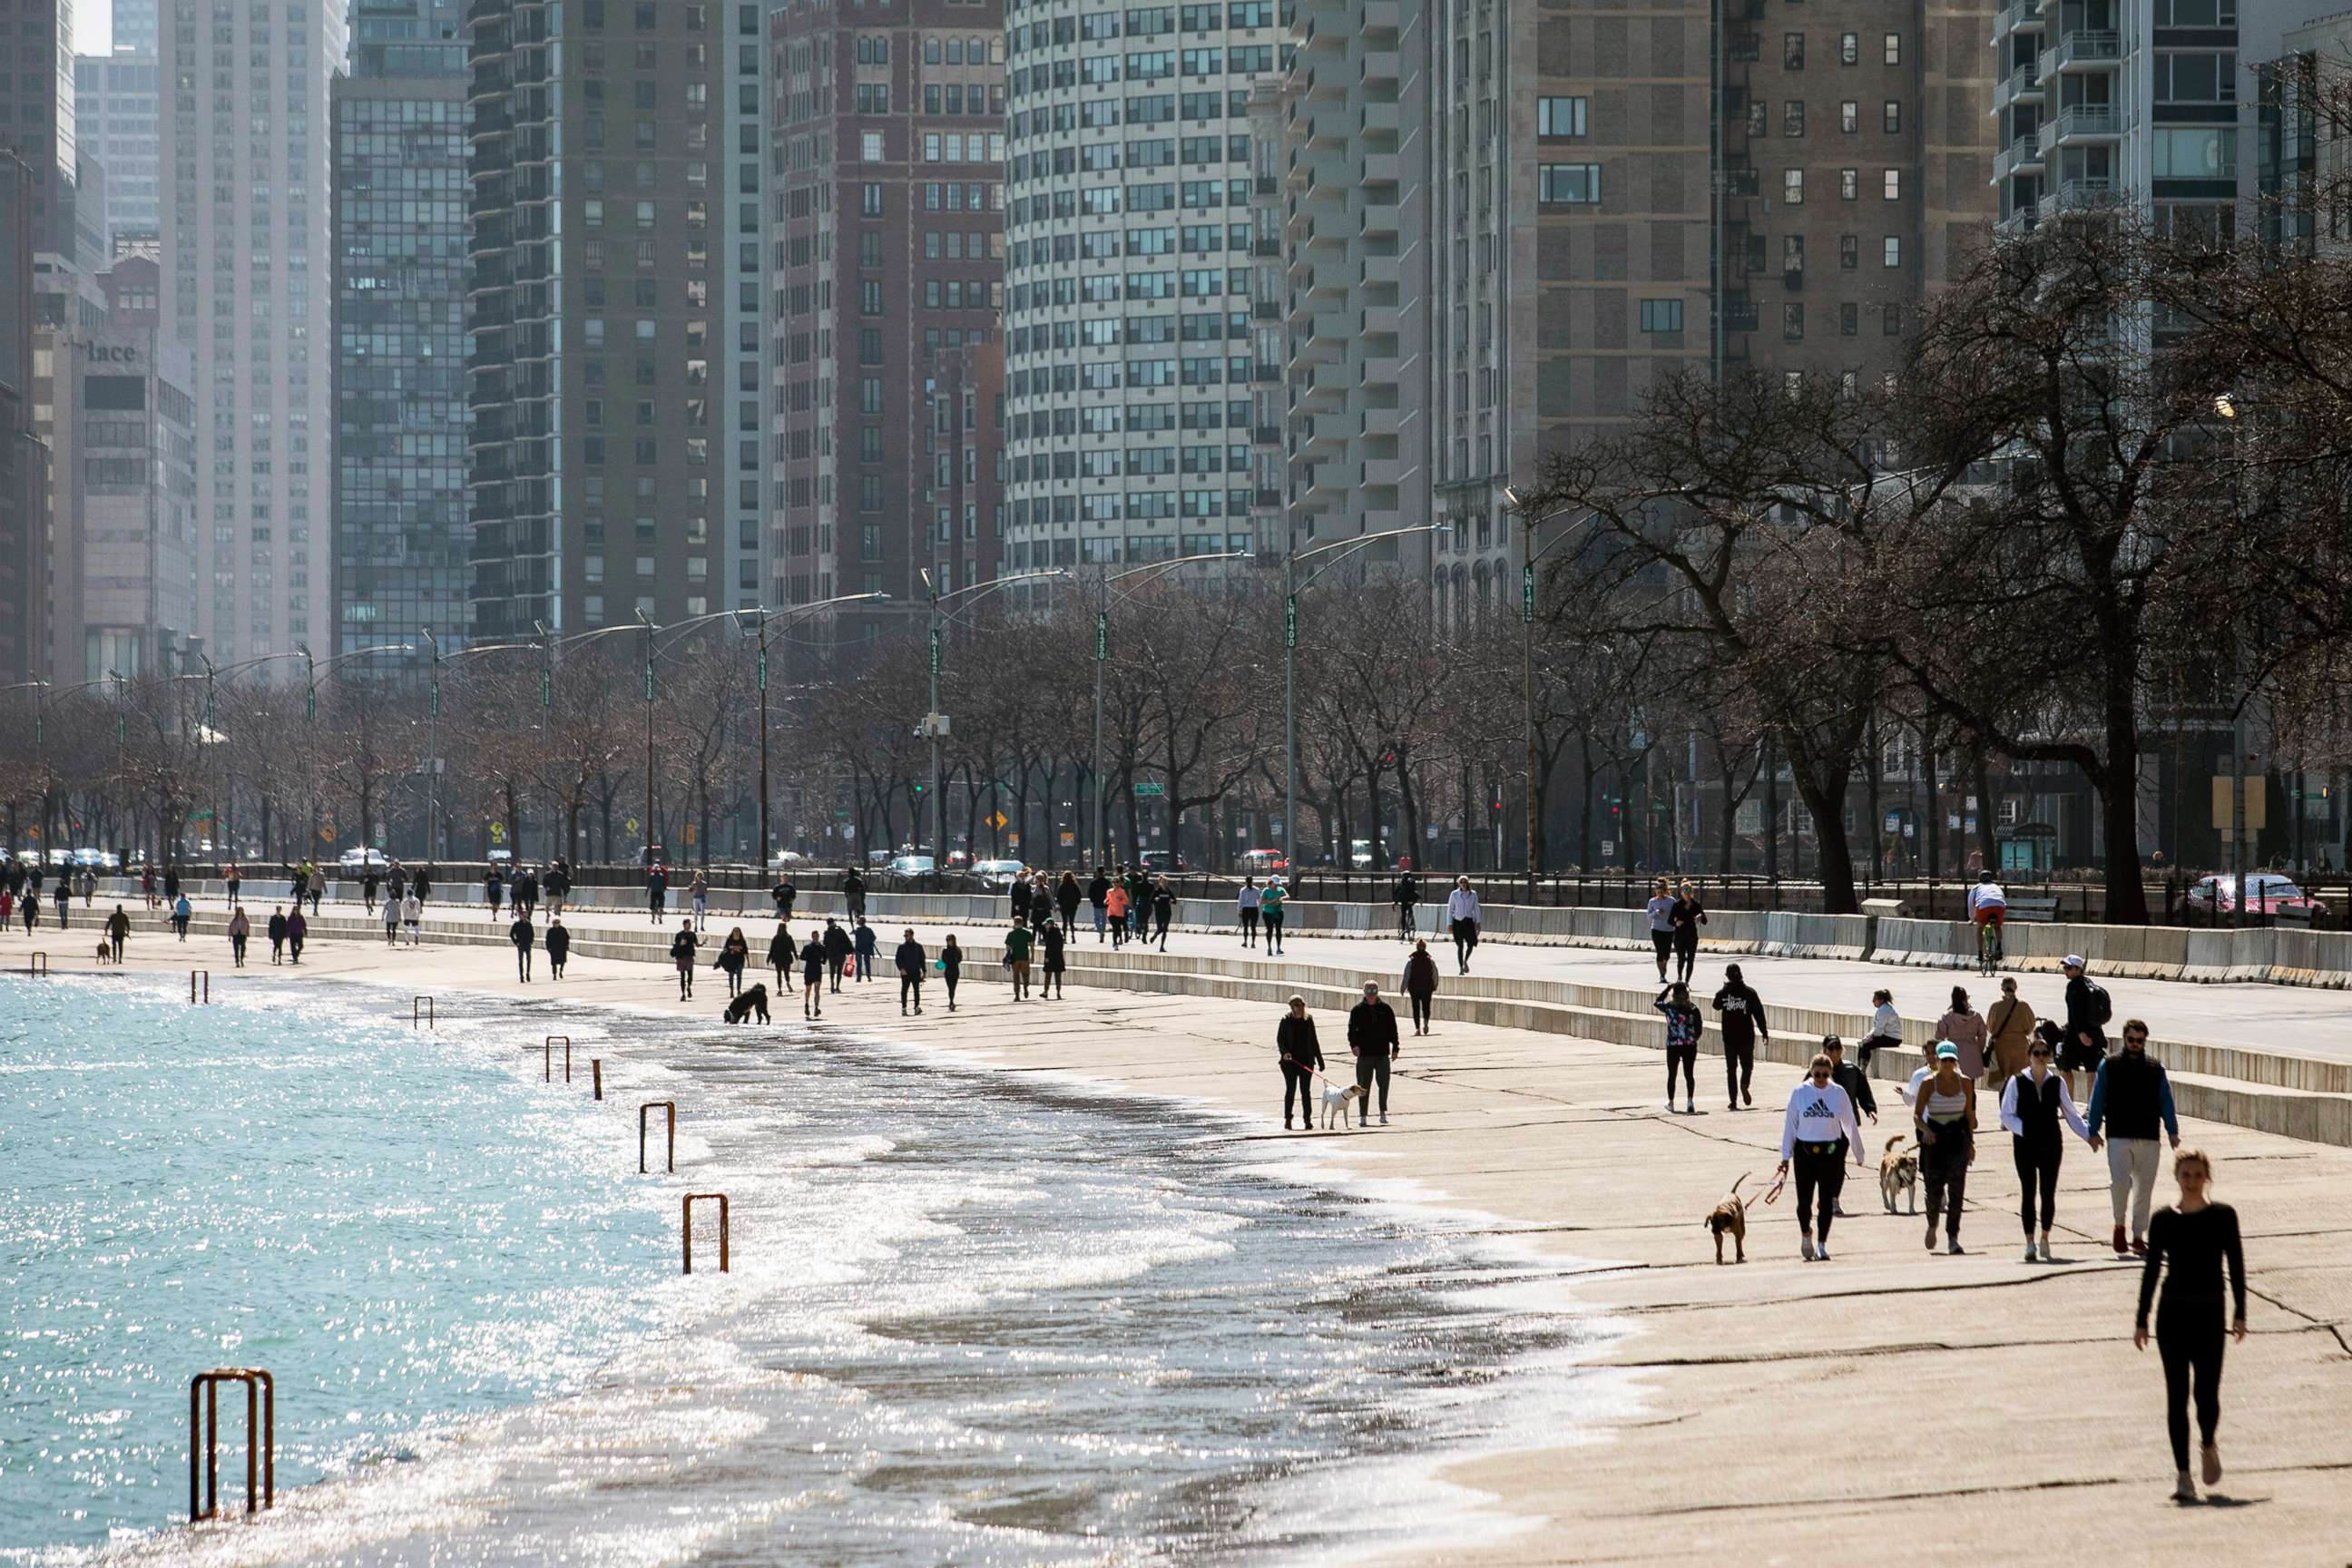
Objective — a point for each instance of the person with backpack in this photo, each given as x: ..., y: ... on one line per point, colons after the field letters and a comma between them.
x: 1742, y: 1020
x: 2088, y: 1008
x: 2132, y: 1097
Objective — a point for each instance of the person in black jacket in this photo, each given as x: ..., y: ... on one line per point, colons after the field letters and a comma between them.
x: 1741, y: 1020
x: 814, y: 959
x: 1301, y: 1055
x: 681, y: 952
x: 1020, y: 898
x: 2032, y: 1103
x: 2198, y: 1237
x: 2088, y: 1011
x: 1067, y: 898
x: 1097, y: 894
x: 277, y: 934
x: 1421, y: 983
x: 1052, y: 939
x: 559, y: 946
x: 853, y: 893
x: 782, y: 951
x: 1856, y: 1084
x: 784, y: 893
x: 733, y: 954
x: 524, y: 938
x: 910, y: 958
x: 1682, y: 923
x: 838, y: 946
x: 1372, y: 1041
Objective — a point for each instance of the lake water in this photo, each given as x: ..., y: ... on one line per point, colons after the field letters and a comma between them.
x: 971, y: 1319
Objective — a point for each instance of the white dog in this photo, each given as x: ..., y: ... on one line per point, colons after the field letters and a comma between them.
x: 1336, y: 1099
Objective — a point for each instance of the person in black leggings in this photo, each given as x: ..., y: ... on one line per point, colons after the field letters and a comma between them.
x: 1301, y: 1057
x: 1821, y: 1126
x: 2030, y: 1105
x: 2197, y: 1237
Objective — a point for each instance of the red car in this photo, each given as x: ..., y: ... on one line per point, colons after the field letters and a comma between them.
x: 1264, y: 862
x: 2267, y: 893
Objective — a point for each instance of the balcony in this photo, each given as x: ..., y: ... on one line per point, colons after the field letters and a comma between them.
x: 2081, y: 51
x: 2026, y: 14
x: 2081, y: 125
x: 2077, y: 195
x: 2022, y: 85
x: 2022, y: 156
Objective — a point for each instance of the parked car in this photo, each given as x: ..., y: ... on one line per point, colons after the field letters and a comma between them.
x: 501, y: 857
x: 996, y: 876
x: 1158, y: 860
x: 909, y: 869
x: 1264, y: 862
x: 2267, y: 893
x: 356, y: 859
x: 787, y: 858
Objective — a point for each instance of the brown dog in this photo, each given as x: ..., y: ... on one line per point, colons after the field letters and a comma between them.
x: 1729, y: 1217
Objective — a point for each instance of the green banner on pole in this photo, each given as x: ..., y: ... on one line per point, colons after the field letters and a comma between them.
x: 546, y: 691
x: 650, y: 680
x: 764, y: 669
x: 436, y: 697
x: 1102, y: 635
x: 1528, y: 592
x: 1290, y: 622
x: 311, y: 705
x: 935, y: 651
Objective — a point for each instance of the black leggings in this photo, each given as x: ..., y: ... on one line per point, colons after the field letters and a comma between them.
x: 1249, y: 927
x: 1420, y: 1008
x: 2037, y: 1164
x: 1299, y: 1080
x: 1944, y: 1164
x: 1686, y: 959
x: 1686, y: 1058
x: 1739, y: 1068
x: 1818, y: 1165
x: 2190, y: 1339
x: 1274, y: 928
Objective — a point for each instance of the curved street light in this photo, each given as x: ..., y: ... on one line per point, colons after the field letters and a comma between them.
x: 935, y: 724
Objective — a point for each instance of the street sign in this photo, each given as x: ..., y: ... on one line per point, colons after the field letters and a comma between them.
x: 1290, y: 622
x: 1608, y: 847
x: 497, y: 833
x: 1068, y: 838
x: 935, y: 652
x: 1102, y: 635
x: 2225, y: 800
x: 997, y: 819
x: 1151, y: 789
x: 1528, y: 592
x: 631, y: 825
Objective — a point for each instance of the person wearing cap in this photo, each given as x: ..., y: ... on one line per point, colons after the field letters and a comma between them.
x: 1945, y: 1116
x: 1815, y: 1135
x: 2032, y: 1102
x: 1372, y: 1041
x: 2087, y: 1009
x: 2132, y: 1097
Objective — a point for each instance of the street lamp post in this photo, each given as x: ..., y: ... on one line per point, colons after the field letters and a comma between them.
x: 1338, y: 549
x: 648, y: 852
x: 1529, y: 556
x: 1103, y: 578
x: 767, y: 841
x: 934, y: 725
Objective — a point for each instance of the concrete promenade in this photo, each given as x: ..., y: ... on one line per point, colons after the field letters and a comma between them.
x: 1890, y: 1403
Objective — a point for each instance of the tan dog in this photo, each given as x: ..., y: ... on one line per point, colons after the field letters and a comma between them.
x: 1729, y: 1217
x: 105, y: 951
x: 1899, y: 1172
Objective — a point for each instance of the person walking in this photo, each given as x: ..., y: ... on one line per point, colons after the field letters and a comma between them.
x: 1052, y: 942
x: 117, y: 931
x: 837, y: 949
x: 1041, y: 900
x: 368, y: 882
x: 1300, y: 1055
x: 814, y: 958
x: 1115, y: 909
x: 1017, y: 942
x: 2132, y: 1098
x: 412, y: 915
x: 1462, y: 919
x: 87, y: 886
x: 1419, y: 982
x: 785, y: 895
x: 391, y: 920
x: 1944, y: 1115
x: 867, y: 948
x: 236, y: 880
x: 240, y: 931
x: 525, y: 890
x: 2009, y: 1023
x: 734, y: 953
x: 1661, y: 910
x: 525, y: 937
x: 910, y: 958
x: 682, y: 949
x: 276, y: 931
x: 1688, y: 915
x: 420, y: 887
x: 171, y: 884
x: 146, y: 884
x: 1372, y: 1041
x: 62, y: 901
x: 1098, y: 895
x: 1815, y: 1134
x: 559, y: 946
x: 950, y: 962
x: 559, y: 884
x: 1885, y: 1029
x: 297, y: 931
x: 1741, y: 1019
x: 2031, y: 1104
x: 656, y: 893
x: 853, y: 894
x: 1163, y: 910
x: 1271, y: 904
x: 1068, y: 895
x: 1965, y: 1027
x: 1856, y: 1084
x: 2189, y: 1245
x: 782, y: 951
x: 318, y: 889
x: 181, y: 912
x: 2088, y: 1009
x: 1683, y: 1025
x: 698, y: 893
x: 1245, y: 902
x: 31, y: 907
x: 494, y: 893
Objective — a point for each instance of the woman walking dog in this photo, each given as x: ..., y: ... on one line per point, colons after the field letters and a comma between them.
x: 1301, y: 1055
x: 1819, y: 1129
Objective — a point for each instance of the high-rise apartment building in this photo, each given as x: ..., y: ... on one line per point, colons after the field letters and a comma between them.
x: 744, y: 490
x: 135, y: 25
x: 24, y: 458
x: 402, y: 273
x: 116, y: 104
x: 888, y: 254
x: 248, y: 287
x: 600, y: 173
x: 36, y: 113
x: 1131, y: 340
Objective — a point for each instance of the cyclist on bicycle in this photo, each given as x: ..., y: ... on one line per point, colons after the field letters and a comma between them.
x: 1988, y: 909
x: 1405, y: 896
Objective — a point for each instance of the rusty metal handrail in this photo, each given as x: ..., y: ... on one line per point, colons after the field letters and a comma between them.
x: 260, y: 1439
x: 548, y: 1074
x: 207, y: 976
x: 686, y: 1227
x: 596, y: 1073
x: 670, y: 1106
x: 37, y: 966
x: 420, y: 1010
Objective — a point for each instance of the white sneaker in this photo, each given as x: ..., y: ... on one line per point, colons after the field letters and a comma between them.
x: 2045, y: 1248
x: 2185, y: 1489
x: 1822, y: 1253
x: 1805, y: 1248
x: 1384, y: 1118
x: 2031, y: 1256
x: 1690, y: 1107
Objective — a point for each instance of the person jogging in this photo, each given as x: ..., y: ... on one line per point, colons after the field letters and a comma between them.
x: 2031, y: 1104
x: 1741, y: 1019
x: 276, y: 930
x: 1017, y: 942
x: 783, y: 894
x: 681, y: 954
x: 1682, y: 1025
x: 951, y: 963
x: 559, y: 947
x: 412, y: 916
x: 1115, y: 909
x: 1051, y: 941
x: 525, y: 937
x: 1404, y: 897
x: 1421, y: 983
x: 1944, y: 1115
x: 2191, y: 1244
x: 656, y: 893
x: 1462, y: 917
x: 1988, y: 912
x: 118, y: 930
x: 1246, y: 904
x: 391, y: 917
x: 1098, y: 895
x: 1271, y: 904
x: 1163, y: 911
x: 1818, y: 1128
x: 2132, y: 1098
x: 2088, y: 1009
x: 814, y: 960
x: 910, y: 959
x: 1687, y: 916
x: 240, y: 931
x: 1300, y: 1055
x: 1372, y: 1041
x: 1661, y: 910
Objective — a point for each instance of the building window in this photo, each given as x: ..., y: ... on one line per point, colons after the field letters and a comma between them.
x: 870, y: 200
x: 1849, y: 184
x: 1890, y: 320
x: 1757, y: 110
x: 1893, y: 247
x: 1894, y: 48
x: 1792, y: 321
x: 871, y: 146
x: 1850, y: 116
x: 1661, y: 315
x: 1849, y: 251
x: 1569, y: 184
x: 1792, y: 118
x: 1890, y: 117
x: 1792, y: 186
x: 1792, y: 51
x: 1849, y: 49
x: 1793, y: 255
x: 1849, y: 319
x: 1894, y: 184
x: 1560, y: 116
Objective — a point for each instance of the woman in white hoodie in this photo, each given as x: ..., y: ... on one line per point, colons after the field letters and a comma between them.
x: 1820, y: 1113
